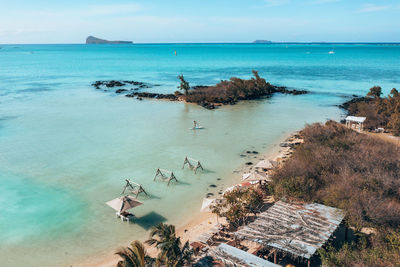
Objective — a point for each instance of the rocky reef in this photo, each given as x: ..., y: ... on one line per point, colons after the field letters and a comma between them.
x: 210, y: 97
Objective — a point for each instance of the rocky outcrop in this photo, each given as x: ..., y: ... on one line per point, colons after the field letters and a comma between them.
x: 95, y: 40
x: 284, y: 90
x: 114, y: 83
x: 210, y: 97
x: 152, y: 95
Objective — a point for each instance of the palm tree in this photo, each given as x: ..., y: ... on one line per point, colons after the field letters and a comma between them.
x: 171, y: 253
x: 134, y: 256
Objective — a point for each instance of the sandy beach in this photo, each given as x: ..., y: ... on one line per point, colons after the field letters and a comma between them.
x: 200, y: 222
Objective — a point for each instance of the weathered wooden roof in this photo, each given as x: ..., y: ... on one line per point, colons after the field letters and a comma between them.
x: 231, y: 256
x: 299, y: 229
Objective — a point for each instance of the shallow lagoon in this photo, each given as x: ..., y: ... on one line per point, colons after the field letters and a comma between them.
x: 66, y: 148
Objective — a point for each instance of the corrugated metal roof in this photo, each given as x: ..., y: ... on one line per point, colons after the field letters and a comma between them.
x: 356, y: 119
x: 232, y: 256
x: 299, y: 229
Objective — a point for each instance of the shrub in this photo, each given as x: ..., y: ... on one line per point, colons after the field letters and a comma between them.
x: 380, y: 112
x: 339, y: 167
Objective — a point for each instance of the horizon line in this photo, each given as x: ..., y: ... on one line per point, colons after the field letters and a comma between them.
x: 252, y: 42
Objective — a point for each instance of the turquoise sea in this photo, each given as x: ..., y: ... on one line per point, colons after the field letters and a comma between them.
x: 66, y: 148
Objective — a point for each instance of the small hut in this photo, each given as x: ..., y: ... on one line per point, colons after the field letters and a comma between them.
x: 355, y: 122
x: 231, y: 256
x: 193, y: 164
x: 134, y: 188
x: 296, y: 229
x: 165, y: 175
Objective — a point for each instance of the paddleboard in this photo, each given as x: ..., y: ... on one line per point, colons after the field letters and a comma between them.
x: 196, y: 128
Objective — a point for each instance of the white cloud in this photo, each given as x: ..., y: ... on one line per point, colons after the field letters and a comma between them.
x: 372, y: 8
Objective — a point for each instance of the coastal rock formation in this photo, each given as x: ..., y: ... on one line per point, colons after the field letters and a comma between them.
x: 152, y: 95
x: 95, y: 40
x: 227, y: 92
x: 114, y: 83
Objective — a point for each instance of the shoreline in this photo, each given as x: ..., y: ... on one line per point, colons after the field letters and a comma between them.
x: 201, y: 222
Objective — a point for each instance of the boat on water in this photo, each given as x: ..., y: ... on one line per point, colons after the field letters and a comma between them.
x: 331, y: 52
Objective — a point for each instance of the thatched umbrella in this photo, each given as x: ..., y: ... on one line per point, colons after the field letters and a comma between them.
x: 256, y: 176
x: 266, y: 164
x: 124, y: 203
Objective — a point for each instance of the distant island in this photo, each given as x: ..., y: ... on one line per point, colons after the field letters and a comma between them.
x: 95, y: 40
x: 262, y: 42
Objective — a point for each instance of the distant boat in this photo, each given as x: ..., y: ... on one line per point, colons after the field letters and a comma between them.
x: 331, y: 52
x: 175, y: 52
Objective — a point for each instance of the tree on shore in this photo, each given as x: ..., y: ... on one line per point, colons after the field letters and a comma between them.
x: 238, y: 204
x: 184, y: 85
x: 375, y: 92
x: 172, y: 253
x: 134, y: 256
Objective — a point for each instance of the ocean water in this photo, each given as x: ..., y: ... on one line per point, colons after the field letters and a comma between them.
x: 66, y: 148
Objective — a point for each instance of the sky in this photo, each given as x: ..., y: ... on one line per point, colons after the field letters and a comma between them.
x: 197, y: 21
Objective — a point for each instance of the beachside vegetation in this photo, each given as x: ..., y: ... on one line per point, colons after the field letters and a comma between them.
x: 184, y: 85
x: 355, y: 172
x: 381, y: 112
x: 238, y: 205
x: 171, y: 250
x: 134, y: 256
x: 235, y: 89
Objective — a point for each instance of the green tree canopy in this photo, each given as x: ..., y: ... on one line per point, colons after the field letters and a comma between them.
x: 184, y: 85
x: 375, y: 92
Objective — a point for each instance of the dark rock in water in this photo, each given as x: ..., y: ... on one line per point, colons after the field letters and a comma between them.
x: 248, y: 152
x: 108, y: 84
x: 114, y: 84
x: 206, y: 105
x: 255, y: 152
x: 210, y: 194
x: 120, y: 91
x: 249, y: 163
x: 284, y: 90
x: 218, y: 179
x: 243, y: 155
x: 213, y: 185
x: 153, y: 95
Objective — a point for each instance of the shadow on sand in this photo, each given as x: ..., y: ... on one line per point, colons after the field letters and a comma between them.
x: 149, y: 220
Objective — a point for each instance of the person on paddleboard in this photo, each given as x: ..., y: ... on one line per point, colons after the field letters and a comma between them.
x: 194, y: 124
